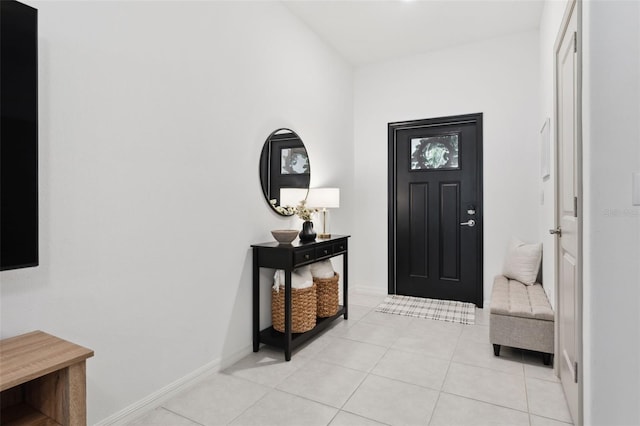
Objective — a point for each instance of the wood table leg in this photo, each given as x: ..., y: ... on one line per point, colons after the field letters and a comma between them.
x: 77, y: 386
x: 61, y: 395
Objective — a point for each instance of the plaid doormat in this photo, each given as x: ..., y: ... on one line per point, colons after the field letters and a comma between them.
x: 443, y: 310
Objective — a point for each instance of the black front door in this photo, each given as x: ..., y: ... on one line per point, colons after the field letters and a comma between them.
x: 435, y: 209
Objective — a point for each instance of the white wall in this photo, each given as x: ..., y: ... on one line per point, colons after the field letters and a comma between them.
x: 499, y: 78
x: 152, y: 118
x: 550, y: 22
x: 611, y: 115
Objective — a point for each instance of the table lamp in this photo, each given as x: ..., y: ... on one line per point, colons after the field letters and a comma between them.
x: 291, y: 197
x: 324, y: 198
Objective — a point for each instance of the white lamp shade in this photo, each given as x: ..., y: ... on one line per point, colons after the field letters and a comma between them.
x: 324, y: 198
x: 292, y: 196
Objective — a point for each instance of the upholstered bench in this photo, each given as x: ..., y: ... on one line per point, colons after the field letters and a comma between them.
x: 521, y: 317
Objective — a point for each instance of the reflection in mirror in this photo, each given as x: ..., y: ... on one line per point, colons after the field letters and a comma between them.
x: 284, y: 170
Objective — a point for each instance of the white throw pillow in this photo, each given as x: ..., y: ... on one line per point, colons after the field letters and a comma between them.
x: 300, y: 278
x: 522, y: 261
x: 322, y: 269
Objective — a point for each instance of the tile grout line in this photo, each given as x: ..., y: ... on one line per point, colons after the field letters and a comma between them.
x: 435, y: 405
x: 368, y: 373
x: 314, y: 358
x: 489, y: 369
x: 486, y: 402
x: 250, y: 406
x: 440, y: 391
x: 181, y: 415
x: 550, y: 418
x: 526, y: 392
x: 268, y: 391
x: 318, y: 402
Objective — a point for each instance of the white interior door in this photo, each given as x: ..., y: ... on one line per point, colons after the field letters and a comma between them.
x: 568, y: 211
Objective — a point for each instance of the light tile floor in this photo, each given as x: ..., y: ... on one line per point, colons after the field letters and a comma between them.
x: 377, y: 369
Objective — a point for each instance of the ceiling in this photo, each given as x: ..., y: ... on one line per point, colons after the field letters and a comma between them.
x: 368, y: 31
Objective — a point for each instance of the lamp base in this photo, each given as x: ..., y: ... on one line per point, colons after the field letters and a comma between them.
x: 324, y: 236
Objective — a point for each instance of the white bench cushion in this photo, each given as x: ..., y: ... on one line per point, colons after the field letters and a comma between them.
x: 512, y: 298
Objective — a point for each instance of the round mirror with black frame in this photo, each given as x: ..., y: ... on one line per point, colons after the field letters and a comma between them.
x: 284, y: 170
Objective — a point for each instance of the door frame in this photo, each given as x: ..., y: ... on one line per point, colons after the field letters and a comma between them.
x: 393, y: 129
x: 570, y: 7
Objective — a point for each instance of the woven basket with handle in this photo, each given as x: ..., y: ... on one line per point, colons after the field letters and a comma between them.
x: 303, y: 309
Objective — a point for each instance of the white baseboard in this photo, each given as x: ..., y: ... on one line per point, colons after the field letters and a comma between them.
x: 156, y: 399
x: 367, y: 289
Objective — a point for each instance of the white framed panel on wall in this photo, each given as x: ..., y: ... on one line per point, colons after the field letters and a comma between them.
x: 545, y: 150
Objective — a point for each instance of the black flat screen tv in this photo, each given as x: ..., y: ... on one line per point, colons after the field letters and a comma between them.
x: 18, y: 135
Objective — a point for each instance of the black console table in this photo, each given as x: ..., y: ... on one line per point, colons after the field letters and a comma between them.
x: 288, y: 257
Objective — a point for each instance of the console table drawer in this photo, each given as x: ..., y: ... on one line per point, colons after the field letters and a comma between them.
x: 303, y: 256
x: 340, y: 247
x: 324, y: 251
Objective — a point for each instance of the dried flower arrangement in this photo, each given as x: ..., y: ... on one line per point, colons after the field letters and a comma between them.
x: 305, y: 213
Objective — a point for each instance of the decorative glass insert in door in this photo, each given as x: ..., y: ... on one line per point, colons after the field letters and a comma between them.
x: 435, y: 152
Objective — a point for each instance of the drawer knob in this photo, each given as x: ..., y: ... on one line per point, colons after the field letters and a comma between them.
x: 306, y: 256
x: 326, y: 251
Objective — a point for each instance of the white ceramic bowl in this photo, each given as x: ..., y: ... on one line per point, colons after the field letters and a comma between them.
x: 285, y: 236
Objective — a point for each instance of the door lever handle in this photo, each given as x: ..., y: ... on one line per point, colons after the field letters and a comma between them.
x: 470, y: 223
x: 557, y: 231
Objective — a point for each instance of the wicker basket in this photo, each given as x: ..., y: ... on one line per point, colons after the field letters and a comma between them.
x: 303, y: 309
x: 327, y: 295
